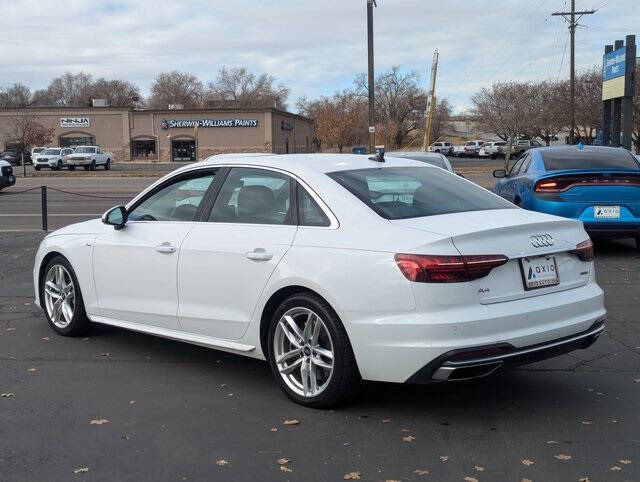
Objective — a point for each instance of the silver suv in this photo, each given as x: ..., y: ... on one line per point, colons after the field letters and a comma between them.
x: 445, y: 148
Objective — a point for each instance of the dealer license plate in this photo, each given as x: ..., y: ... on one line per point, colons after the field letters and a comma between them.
x: 539, y: 272
x: 606, y: 212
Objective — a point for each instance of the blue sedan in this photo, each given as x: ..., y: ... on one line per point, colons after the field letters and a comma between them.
x: 598, y: 185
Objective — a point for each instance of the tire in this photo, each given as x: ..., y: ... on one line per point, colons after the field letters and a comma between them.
x: 93, y: 165
x: 72, y: 168
x: 71, y: 318
x: 335, y: 385
x: 37, y: 168
x: 638, y: 243
x: 107, y: 165
x: 59, y: 166
x: 86, y: 168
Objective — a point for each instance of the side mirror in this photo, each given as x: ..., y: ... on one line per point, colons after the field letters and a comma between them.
x: 116, y: 217
x: 499, y: 173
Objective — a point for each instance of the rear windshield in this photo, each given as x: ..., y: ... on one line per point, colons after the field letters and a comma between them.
x: 412, y: 192
x: 85, y: 150
x: 588, y: 159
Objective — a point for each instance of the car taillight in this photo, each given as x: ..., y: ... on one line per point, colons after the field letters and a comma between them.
x: 561, y: 184
x: 584, y: 250
x: 447, y: 269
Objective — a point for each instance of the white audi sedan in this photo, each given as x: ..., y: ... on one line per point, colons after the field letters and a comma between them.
x: 333, y: 268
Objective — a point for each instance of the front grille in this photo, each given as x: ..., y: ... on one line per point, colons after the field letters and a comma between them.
x: 7, y: 171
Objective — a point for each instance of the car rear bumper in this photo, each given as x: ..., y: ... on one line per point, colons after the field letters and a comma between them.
x: 469, y: 363
x: 394, y: 347
x: 6, y: 181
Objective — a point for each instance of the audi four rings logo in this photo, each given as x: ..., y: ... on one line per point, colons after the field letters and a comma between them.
x: 541, y: 240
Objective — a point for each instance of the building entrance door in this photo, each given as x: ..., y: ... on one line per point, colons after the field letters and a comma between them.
x: 183, y: 150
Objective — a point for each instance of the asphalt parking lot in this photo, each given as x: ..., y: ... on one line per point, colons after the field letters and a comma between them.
x: 117, y: 405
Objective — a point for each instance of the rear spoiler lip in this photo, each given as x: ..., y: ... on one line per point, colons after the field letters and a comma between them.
x: 579, y: 172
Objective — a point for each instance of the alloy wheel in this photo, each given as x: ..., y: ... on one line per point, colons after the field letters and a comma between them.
x: 59, y: 296
x: 303, y: 350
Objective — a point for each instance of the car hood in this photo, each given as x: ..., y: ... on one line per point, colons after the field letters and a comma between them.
x: 93, y: 226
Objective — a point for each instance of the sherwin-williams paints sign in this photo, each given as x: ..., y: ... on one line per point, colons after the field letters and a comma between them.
x: 176, y: 123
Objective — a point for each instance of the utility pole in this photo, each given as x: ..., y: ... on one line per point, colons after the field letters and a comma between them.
x: 372, y: 125
x: 431, y: 101
x: 573, y: 23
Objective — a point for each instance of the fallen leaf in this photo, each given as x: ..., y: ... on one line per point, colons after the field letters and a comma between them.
x: 584, y: 479
x: 420, y: 472
x: 7, y: 395
x: 471, y: 479
x: 526, y: 480
x: 46, y: 338
x: 562, y: 457
x: 386, y: 420
x: 615, y: 468
x: 408, y: 438
x: 479, y: 468
x: 283, y: 461
x: 625, y: 461
x: 106, y: 354
x: 274, y: 429
x: 32, y: 370
x: 11, y: 329
x: 98, y: 421
x: 284, y: 468
x: 352, y: 476
x: 614, y: 421
x: 550, y: 442
x: 221, y: 462
x: 125, y: 437
x: 444, y: 458
x: 586, y: 422
x: 527, y: 462
x: 81, y: 470
x: 637, y: 380
x: 405, y: 430
x: 229, y: 394
x: 291, y: 422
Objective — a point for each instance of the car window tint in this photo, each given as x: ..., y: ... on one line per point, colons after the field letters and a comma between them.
x: 178, y: 201
x: 410, y: 192
x: 525, y: 165
x: 515, y: 167
x: 255, y: 196
x: 309, y: 213
x: 588, y: 158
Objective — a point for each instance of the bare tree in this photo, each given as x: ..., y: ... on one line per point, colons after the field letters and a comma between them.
x: 507, y: 110
x: 399, y: 104
x: 16, y: 96
x: 118, y: 93
x: 340, y: 120
x: 441, y: 116
x: 176, y: 88
x: 25, y: 131
x: 70, y: 90
x: 548, y: 110
x: 636, y: 114
x: 588, y: 104
x: 238, y: 87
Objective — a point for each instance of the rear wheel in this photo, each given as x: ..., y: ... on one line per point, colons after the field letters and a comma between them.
x: 61, y: 299
x: 72, y: 168
x: 93, y: 165
x: 310, y: 354
x: 107, y: 165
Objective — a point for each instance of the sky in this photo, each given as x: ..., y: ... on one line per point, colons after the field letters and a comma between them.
x: 313, y: 47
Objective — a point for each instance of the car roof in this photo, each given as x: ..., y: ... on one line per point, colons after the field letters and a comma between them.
x: 316, y: 163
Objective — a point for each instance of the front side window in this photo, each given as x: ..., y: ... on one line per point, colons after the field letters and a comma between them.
x: 411, y: 192
x: 254, y: 196
x: 178, y: 201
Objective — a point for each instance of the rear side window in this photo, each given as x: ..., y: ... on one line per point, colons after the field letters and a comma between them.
x: 411, y: 192
x: 309, y: 213
x: 588, y: 158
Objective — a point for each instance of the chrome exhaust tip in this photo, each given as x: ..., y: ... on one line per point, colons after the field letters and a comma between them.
x: 468, y: 372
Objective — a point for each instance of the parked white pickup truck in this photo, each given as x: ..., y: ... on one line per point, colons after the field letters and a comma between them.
x: 89, y: 157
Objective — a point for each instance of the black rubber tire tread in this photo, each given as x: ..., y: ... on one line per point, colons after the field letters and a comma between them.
x: 80, y: 323
x: 346, y: 381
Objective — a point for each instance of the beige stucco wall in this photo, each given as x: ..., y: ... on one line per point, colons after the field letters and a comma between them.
x: 114, y: 129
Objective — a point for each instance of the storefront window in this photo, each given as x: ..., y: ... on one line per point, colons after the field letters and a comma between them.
x: 143, y: 149
x: 76, y: 141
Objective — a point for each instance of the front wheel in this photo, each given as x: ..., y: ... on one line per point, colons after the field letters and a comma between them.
x: 107, y: 165
x: 61, y: 299
x: 37, y: 168
x: 72, y: 167
x: 93, y: 165
x: 310, y: 354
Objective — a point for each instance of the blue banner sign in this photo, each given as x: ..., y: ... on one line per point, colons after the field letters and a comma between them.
x: 614, y: 64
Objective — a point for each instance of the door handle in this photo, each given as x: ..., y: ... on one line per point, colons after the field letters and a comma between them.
x: 166, y: 248
x: 259, y: 254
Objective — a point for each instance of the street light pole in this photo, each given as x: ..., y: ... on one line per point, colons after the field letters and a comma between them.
x: 372, y: 128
